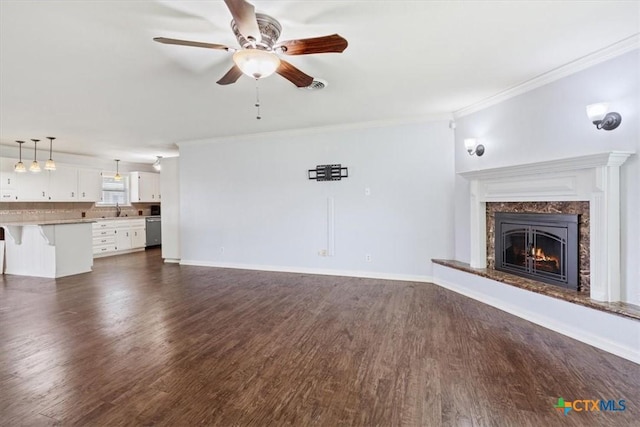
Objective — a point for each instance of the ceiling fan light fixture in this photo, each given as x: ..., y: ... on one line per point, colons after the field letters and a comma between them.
x: 256, y: 63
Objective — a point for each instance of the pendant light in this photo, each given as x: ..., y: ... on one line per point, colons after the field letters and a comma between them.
x: 19, y: 167
x: 35, y: 166
x: 117, y: 176
x: 50, y: 165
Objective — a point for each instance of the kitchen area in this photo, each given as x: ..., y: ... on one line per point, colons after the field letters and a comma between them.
x: 53, y: 223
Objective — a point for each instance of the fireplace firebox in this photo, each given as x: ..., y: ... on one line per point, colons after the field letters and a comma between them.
x: 543, y: 247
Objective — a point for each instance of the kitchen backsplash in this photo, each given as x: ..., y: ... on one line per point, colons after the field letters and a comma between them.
x: 41, y: 211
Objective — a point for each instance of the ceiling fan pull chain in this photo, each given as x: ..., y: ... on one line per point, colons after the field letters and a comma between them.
x: 258, y: 117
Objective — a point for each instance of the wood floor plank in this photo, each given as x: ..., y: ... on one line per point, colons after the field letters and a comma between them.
x: 138, y: 342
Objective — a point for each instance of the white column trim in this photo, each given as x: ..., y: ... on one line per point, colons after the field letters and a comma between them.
x: 478, y: 228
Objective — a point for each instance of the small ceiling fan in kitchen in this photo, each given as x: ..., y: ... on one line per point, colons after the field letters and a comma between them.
x: 258, y: 56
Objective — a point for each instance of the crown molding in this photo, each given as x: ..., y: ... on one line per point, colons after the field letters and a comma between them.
x: 619, y: 48
x: 321, y: 129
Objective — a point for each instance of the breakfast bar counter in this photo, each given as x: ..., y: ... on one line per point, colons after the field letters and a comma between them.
x: 51, y: 249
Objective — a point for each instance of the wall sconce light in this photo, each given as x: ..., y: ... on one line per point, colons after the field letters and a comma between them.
x: 157, y: 165
x: 472, y: 147
x: 600, y: 116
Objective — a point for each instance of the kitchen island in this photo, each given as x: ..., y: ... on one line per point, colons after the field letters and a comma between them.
x: 55, y: 248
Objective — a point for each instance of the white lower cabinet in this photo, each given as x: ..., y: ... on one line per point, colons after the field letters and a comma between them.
x: 138, y: 237
x: 123, y: 239
x: 104, y: 238
x: 114, y: 236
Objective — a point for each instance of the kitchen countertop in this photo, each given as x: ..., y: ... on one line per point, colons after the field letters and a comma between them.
x: 49, y: 222
x: 73, y: 221
x: 111, y: 218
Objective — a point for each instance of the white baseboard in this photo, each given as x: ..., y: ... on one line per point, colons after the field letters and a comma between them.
x: 319, y: 271
x: 606, y: 331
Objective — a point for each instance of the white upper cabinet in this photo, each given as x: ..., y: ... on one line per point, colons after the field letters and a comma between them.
x: 63, y: 184
x: 8, y: 186
x: 66, y: 184
x: 89, y: 185
x: 145, y: 187
x: 22, y: 187
x: 32, y: 187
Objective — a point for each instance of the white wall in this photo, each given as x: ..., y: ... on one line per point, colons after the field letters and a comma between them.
x: 549, y: 123
x: 251, y: 196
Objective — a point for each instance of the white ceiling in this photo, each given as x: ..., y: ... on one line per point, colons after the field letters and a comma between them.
x: 89, y: 73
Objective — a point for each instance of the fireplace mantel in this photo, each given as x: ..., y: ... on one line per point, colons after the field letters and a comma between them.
x: 594, y: 178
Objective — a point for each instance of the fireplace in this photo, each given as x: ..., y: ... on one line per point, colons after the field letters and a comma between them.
x: 543, y: 247
x: 594, y: 178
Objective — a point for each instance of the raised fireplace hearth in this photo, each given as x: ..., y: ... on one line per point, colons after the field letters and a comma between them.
x: 538, y: 246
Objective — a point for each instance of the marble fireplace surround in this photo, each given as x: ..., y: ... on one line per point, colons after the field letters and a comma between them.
x: 594, y: 178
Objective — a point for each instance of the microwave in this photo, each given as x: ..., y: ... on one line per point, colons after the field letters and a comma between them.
x: 155, y: 209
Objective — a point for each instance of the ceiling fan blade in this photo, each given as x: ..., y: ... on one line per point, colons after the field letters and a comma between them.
x: 294, y: 75
x: 231, y: 77
x: 194, y: 44
x: 325, y: 44
x: 245, y: 16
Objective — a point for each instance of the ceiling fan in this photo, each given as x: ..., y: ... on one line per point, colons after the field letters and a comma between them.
x: 258, y: 35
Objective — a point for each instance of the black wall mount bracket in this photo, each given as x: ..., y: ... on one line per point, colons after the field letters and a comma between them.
x: 328, y: 173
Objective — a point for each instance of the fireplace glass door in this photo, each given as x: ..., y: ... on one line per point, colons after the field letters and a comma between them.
x: 538, y: 246
x: 536, y: 250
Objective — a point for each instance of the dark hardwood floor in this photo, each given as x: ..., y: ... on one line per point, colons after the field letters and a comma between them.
x: 137, y: 342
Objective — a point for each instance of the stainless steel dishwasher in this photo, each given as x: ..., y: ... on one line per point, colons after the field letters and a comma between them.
x: 154, y: 231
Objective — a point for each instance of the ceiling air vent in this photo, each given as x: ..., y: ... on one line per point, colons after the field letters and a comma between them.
x: 317, y: 84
